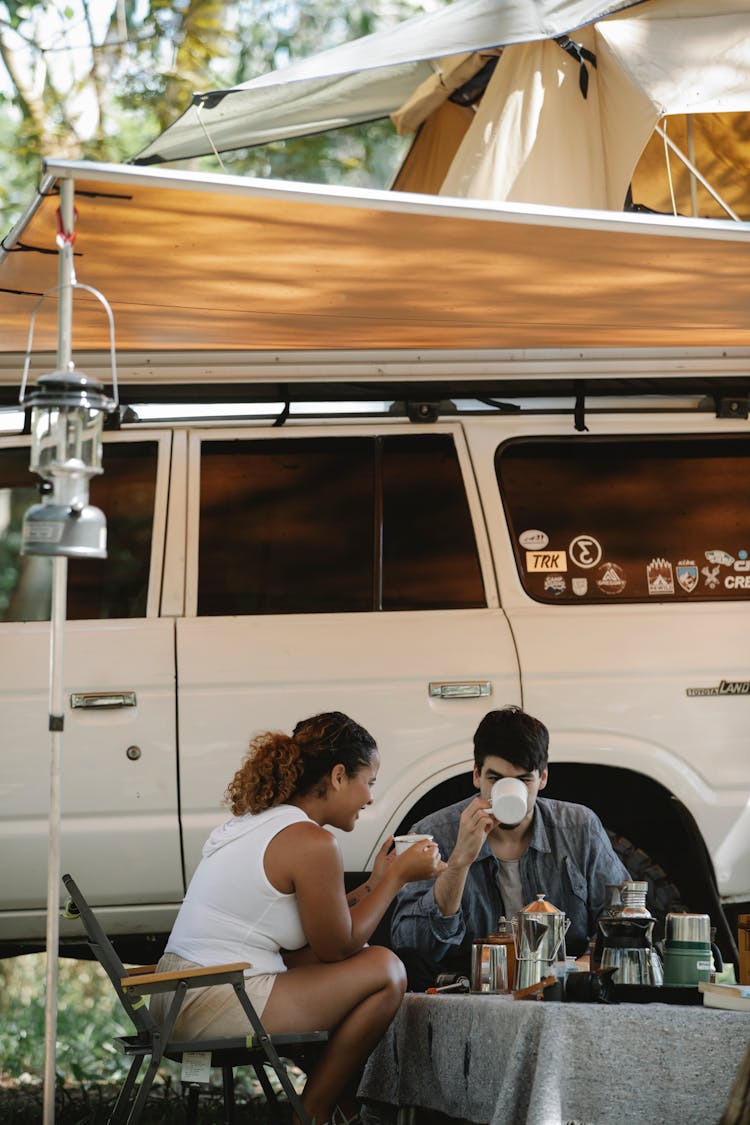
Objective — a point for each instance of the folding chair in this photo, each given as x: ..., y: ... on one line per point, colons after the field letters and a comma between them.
x: 153, y: 1040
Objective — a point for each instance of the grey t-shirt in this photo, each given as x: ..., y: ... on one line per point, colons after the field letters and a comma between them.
x: 509, y: 882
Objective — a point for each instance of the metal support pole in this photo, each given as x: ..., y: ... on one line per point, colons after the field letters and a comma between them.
x: 66, y: 276
x: 691, y: 158
x: 57, y: 632
x: 694, y: 172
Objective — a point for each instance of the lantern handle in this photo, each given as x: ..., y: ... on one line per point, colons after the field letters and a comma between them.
x: 107, y: 308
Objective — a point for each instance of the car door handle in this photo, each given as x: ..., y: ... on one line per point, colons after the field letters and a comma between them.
x: 104, y: 699
x: 460, y: 689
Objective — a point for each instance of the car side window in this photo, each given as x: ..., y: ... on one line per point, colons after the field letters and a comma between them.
x: 334, y: 525
x: 628, y: 519
x: 97, y: 588
x: 430, y: 559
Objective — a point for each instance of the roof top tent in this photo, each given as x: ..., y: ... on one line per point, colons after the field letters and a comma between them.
x: 220, y: 282
x: 582, y: 103
x: 503, y: 261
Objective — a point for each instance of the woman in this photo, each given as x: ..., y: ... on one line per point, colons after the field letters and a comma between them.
x: 269, y: 890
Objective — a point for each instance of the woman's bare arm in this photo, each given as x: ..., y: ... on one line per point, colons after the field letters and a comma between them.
x: 307, y: 859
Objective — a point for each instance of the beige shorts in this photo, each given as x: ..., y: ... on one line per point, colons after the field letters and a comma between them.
x: 208, y: 1013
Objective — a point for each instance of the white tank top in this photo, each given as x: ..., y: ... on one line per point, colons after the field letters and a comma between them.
x: 231, y: 912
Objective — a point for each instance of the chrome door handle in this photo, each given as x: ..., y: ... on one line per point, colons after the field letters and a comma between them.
x: 105, y: 699
x: 460, y: 689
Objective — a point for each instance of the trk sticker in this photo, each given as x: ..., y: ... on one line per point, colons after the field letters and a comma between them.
x: 610, y: 578
x: 585, y: 551
x: 554, y: 584
x: 659, y: 577
x: 723, y: 558
x: 537, y: 561
x: 711, y: 576
x: 687, y: 575
x: 579, y: 586
x: 533, y: 540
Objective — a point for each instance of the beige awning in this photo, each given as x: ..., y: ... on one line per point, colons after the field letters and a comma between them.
x: 211, y: 263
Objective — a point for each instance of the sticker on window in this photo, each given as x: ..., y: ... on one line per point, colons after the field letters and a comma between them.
x: 538, y: 562
x: 687, y: 575
x: 585, y: 551
x: 723, y: 558
x: 659, y: 577
x: 533, y: 540
x: 554, y: 584
x: 610, y: 578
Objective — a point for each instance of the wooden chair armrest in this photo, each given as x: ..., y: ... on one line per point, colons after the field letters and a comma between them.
x: 140, y: 970
x: 195, y: 978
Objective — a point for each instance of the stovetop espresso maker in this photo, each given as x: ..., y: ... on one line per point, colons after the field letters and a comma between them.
x: 627, y: 932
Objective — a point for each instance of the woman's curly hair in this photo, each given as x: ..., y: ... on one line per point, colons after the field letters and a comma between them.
x: 278, y: 767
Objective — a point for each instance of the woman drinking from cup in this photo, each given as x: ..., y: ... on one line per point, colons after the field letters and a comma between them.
x: 269, y: 890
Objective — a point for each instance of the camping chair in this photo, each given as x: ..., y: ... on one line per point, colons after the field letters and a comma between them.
x: 153, y: 1040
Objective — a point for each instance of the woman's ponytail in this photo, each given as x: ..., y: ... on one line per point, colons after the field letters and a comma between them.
x: 267, y: 777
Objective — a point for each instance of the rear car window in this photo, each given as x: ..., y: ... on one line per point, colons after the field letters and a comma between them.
x: 636, y: 519
x: 335, y: 524
x: 97, y: 588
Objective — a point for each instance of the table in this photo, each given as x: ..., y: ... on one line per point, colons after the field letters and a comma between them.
x: 499, y: 1061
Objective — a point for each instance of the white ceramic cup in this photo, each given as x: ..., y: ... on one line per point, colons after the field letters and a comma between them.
x: 508, y: 800
x: 404, y: 842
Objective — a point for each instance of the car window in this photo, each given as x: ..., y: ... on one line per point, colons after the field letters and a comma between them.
x: 629, y: 519
x: 97, y: 588
x: 342, y: 524
x: 429, y: 551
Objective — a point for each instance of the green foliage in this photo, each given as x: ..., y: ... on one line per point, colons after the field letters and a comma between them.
x: 88, y: 1065
x: 89, y: 1017
x: 112, y: 94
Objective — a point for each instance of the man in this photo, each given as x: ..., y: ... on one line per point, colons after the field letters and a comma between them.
x: 558, y: 849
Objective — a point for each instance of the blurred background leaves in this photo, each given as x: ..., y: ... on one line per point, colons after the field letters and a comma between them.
x: 98, y: 79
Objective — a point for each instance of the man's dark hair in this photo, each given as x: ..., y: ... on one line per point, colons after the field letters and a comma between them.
x: 512, y: 734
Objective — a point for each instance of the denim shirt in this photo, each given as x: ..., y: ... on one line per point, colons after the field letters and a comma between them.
x: 569, y: 859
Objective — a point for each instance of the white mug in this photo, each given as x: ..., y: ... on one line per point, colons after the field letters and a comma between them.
x: 404, y: 842
x: 508, y: 800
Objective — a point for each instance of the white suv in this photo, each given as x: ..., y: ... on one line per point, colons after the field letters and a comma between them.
x: 595, y: 570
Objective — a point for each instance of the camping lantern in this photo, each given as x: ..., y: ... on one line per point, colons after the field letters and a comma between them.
x: 67, y: 417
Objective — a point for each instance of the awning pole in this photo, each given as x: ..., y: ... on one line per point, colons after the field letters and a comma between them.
x: 66, y: 277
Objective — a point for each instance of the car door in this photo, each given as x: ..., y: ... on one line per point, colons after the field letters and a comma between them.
x: 343, y: 567
x: 120, y: 833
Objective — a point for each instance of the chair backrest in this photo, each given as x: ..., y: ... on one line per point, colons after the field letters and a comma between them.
x: 106, y: 954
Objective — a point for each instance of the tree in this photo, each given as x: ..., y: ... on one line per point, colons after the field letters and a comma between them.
x: 98, y: 79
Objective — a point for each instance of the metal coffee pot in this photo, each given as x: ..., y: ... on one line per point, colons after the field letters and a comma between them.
x: 539, y: 931
x: 628, y: 947
x: 493, y: 960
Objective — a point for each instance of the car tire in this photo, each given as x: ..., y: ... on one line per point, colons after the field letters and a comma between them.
x: 662, y: 896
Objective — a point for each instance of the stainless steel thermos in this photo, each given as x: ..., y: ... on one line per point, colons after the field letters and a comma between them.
x: 688, y: 950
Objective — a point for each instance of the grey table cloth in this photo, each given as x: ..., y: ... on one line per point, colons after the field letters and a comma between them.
x: 496, y: 1061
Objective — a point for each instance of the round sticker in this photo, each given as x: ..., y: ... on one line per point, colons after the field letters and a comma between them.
x: 585, y: 551
x: 610, y: 578
x: 533, y: 540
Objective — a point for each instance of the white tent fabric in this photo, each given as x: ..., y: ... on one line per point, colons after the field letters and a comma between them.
x: 363, y: 80
x: 521, y: 145
x: 536, y: 139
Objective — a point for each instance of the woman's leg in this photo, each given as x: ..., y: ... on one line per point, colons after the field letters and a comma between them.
x: 354, y: 999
